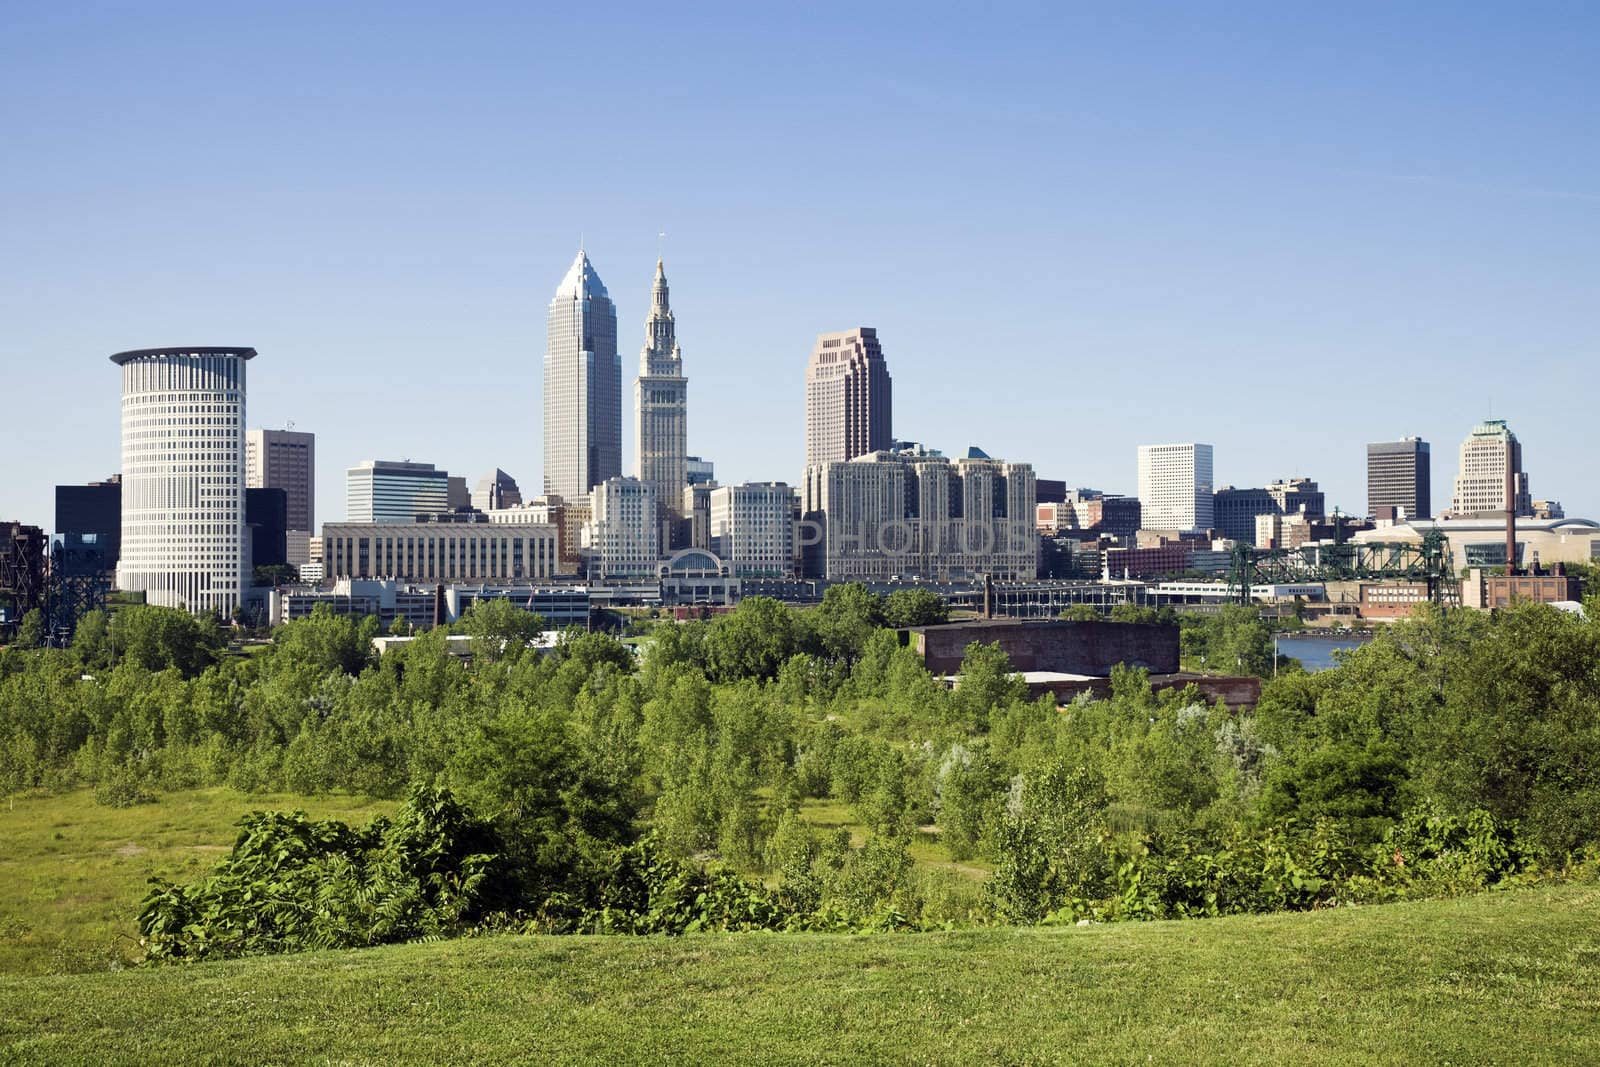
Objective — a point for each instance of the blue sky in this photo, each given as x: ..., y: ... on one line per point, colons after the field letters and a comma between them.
x: 1283, y: 229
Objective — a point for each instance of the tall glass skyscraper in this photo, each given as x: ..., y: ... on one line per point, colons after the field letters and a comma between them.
x: 183, y: 476
x: 661, y: 404
x: 582, y: 386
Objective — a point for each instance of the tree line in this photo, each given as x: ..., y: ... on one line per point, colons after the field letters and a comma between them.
x: 601, y: 788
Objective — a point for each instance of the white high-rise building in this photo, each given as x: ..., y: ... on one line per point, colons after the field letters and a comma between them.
x: 287, y: 460
x: 183, y: 477
x: 661, y: 405
x: 383, y: 490
x: 752, y: 528
x: 1175, y: 487
x: 622, y: 537
x: 1480, y: 488
x: 582, y: 386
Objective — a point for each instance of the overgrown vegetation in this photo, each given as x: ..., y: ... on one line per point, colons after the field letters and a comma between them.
x: 589, y: 790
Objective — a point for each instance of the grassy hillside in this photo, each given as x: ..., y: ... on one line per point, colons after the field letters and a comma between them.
x: 1509, y: 977
x: 72, y: 872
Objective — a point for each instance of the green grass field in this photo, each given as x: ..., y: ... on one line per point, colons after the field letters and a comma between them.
x: 72, y: 873
x: 1496, y: 978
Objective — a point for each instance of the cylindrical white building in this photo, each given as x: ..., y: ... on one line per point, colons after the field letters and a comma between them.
x: 183, y: 476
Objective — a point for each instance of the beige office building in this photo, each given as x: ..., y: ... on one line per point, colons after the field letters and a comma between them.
x: 752, y: 528
x: 1480, y: 488
x: 883, y: 516
x: 439, y: 552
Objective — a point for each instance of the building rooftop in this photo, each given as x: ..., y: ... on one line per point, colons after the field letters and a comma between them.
x: 581, y: 280
x: 182, y: 350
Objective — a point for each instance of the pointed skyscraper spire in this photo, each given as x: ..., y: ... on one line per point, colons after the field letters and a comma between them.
x: 661, y: 404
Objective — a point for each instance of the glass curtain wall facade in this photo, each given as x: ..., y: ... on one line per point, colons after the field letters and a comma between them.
x: 385, y: 491
x: 582, y: 386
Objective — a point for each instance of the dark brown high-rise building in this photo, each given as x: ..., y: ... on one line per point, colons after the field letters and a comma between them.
x: 848, y: 397
x: 1399, y: 477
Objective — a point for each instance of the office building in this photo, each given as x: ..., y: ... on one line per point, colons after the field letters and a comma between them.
x: 1480, y: 488
x: 381, y: 490
x: 90, y: 518
x: 848, y: 398
x: 1175, y: 488
x: 661, y: 406
x: 1298, y: 496
x: 266, y: 523
x: 287, y: 460
x: 622, y: 538
x: 459, y: 551
x: 883, y: 516
x: 752, y: 528
x: 1400, y: 477
x: 699, y: 471
x: 183, y: 413
x: 582, y: 386
x: 697, y: 515
x: 1234, y: 512
x: 568, y: 517
x: 495, y: 492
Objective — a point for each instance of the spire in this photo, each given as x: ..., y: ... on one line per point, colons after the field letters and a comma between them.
x: 660, y: 353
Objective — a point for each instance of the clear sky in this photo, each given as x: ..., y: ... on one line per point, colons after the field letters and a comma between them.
x: 1285, y: 229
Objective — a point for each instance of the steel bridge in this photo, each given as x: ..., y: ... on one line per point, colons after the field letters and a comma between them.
x: 1428, y: 561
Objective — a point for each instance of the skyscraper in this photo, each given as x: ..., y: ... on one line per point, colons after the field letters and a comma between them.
x: 287, y: 460
x: 849, y: 400
x: 183, y: 412
x: 1175, y: 489
x: 1481, y: 486
x: 661, y: 405
x: 1399, y: 476
x: 496, y: 491
x: 582, y: 386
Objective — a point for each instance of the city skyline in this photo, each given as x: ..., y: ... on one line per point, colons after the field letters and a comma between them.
x: 1244, y: 241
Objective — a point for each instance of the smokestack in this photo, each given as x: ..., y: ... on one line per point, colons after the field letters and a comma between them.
x: 1511, y: 507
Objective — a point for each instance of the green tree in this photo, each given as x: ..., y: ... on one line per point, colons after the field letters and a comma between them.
x: 752, y: 641
x: 90, y: 642
x: 157, y: 638
x: 986, y: 682
x: 846, y: 618
x: 30, y: 631
x: 499, y: 628
x: 915, y: 607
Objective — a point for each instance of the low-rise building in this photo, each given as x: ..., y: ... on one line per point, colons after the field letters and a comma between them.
x: 439, y: 551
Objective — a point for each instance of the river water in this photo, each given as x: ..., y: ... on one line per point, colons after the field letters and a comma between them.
x: 1315, y: 653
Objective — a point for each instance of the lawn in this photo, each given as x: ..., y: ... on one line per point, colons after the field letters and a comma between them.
x: 1508, y: 977
x: 72, y: 873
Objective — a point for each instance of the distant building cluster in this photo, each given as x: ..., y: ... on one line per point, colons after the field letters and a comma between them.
x: 210, y: 516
